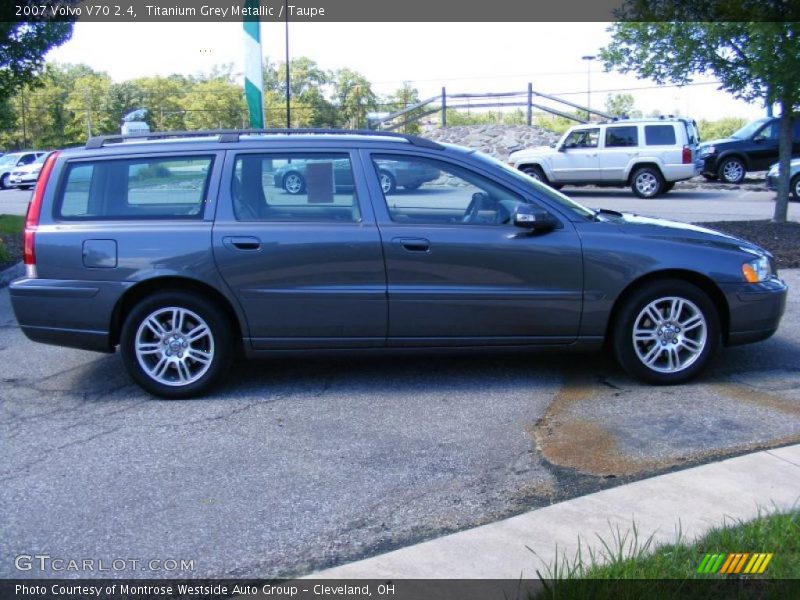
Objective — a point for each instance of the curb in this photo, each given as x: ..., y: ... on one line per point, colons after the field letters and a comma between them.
x: 11, y: 273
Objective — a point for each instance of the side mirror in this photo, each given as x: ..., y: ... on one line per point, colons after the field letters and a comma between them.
x: 562, y: 147
x: 535, y: 219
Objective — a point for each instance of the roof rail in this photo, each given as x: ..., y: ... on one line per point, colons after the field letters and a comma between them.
x: 234, y: 135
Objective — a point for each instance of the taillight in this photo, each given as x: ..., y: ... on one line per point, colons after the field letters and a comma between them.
x: 687, y: 155
x: 33, y: 215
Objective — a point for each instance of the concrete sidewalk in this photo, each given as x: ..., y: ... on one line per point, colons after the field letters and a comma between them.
x: 693, y: 500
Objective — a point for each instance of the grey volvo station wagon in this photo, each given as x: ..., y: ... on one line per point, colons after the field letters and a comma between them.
x: 186, y: 249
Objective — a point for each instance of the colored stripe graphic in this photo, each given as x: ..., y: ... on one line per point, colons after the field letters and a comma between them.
x: 253, y: 75
x: 734, y: 563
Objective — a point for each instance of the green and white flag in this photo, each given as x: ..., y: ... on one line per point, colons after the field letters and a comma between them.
x: 253, y: 75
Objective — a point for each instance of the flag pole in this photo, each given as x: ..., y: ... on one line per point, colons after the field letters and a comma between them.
x: 253, y: 74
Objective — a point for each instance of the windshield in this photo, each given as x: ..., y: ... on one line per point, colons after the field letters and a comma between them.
x: 39, y: 160
x: 551, y: 194
x: 748, y: 130
x: 9, y: 158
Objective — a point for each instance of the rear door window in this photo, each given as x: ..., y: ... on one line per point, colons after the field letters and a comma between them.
x: 659, y: 135
x: 172, y: 187
x: 293, y: 187
x: 617, y: 137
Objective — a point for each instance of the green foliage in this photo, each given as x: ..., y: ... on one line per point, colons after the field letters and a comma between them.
x: 455, y: 118
x: 721, y: 128
x: 627, y: 556
x: 22, y: 49
x: 11, y: 223
x: 403, y: 98
x: 554, y: 123
x: 621, y: 105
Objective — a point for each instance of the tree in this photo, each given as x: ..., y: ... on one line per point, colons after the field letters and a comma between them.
x: 621, y: 105
x: 753, y: 60
x: 23, y: 46
x: 354, y: 97
x: 403, y: 98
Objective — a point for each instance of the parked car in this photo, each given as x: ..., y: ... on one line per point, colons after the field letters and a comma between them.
x: 794, y: 178
x: 8, y: 162
x: 753, y: 148
x: 184, y: 271
x: 649, y: 155
x: 292, y: 176
x: 25, y: 177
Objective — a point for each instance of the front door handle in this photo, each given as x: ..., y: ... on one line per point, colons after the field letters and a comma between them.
x: 242, y: 243
x: 415, y: 245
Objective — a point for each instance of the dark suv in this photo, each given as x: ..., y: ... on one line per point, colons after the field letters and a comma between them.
x: 183, y: 251
x: 753, y: 148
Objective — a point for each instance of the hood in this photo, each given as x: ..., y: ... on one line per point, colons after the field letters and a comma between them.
x: 717, y: 142
x: 684, y: 232
x: 534, y: 150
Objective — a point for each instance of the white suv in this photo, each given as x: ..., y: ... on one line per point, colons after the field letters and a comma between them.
x: 649, y: 155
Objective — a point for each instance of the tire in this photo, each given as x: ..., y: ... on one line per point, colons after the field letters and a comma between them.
x: 387, y: 181
x: 732, y: 170
x: 536, y: 172
x: 294, y: 183
x: 151, y: 322
x: 668, y: 185
x: 647, y: 182
x: 25, y: 187
x: 647, y: 312
x: 412, y: 186
x: 794, y: 188
x: 709, y: 177
x: 4, y: 184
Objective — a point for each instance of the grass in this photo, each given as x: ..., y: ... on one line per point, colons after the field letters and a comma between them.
x: 632, y: 559
x: 11, y: 224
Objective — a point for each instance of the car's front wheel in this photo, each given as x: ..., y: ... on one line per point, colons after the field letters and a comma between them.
x: 666, y: 332
x: 794, y: 187
x: 388, y: 183
x: 4, y: 182
x: 647, y: 182
x: 732, y: 170
x: 176, y: 345
x: 294, y: 183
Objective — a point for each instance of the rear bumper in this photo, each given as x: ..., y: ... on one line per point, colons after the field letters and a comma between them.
x: 76, y: 314
x: 755, y: 310
x: 679, y: 172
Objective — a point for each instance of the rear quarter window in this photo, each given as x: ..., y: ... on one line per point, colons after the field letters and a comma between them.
x: 659, y: 135
x: 164, y: 188
x: 619, y: 137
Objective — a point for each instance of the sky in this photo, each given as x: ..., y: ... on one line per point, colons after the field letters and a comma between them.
x: 464, y: 57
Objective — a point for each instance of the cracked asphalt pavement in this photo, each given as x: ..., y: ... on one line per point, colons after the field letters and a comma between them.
x: 296, y: 465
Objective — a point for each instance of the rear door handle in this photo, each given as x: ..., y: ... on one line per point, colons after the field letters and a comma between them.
x: 245, y: 243
x: 416, y: 245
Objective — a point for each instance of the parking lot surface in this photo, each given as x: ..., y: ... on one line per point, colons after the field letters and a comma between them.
x: 296, y: 465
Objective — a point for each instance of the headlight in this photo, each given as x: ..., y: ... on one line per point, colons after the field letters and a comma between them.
x: 773, y: 170
x: 707, y: 150
x: 756, y: 271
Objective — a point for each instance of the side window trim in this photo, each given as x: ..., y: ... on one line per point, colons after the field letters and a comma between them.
x: 381, y: 202
x: 232, y: 161
x: 206, y: 200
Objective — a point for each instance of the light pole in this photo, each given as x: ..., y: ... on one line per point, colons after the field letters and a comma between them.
x: 589, y: 58
x: 288, y: 77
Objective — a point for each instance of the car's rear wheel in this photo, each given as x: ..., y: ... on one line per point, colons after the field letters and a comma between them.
x: 647, y: 182
x: 666, y: 332
x: 294, y: 183
x: 536, y: 172
x: 794, y: 187
x: 732, y: 170
x: 176, y: 345
x: 388, y: 183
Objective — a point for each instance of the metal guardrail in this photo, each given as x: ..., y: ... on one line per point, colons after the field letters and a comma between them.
x: 441, y: 103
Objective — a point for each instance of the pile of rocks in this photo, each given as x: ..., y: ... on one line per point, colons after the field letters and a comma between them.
x: 497, y: 140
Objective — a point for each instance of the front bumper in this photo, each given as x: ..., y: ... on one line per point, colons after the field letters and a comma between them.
x: 755, y: 310
x: 707, y: 165
x: 772, y: 182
